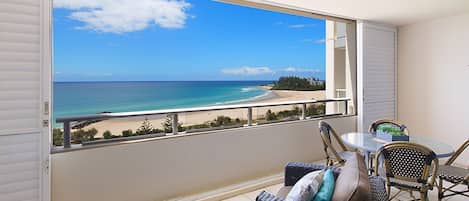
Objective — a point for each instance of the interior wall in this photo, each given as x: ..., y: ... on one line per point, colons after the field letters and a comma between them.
x: 433, y: 79
x: 177, y: 166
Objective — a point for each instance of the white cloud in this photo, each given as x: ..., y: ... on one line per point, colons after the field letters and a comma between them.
x: 322, y: 40
x: 310, y: 40
x: 300, y: 26
x: 290, y: 69
x: 300, y: 70
x: 297, y: 26
x: 76, y: 74
x: 251, y: 71
x: 120, y: 16
x: 246, y: 70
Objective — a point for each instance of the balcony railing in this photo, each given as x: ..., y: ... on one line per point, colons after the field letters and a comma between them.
x: 340, y: 93
x: 175, y: 112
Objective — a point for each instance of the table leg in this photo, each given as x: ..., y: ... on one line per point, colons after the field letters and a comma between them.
x: 369, y: 162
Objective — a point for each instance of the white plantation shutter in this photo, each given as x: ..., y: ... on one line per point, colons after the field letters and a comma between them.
x: 377, y: 73
x: 24, y: 89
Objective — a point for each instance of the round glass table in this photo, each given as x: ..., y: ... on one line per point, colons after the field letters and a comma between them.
x: 368, y: 143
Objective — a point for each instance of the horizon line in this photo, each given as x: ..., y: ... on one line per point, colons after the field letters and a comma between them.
x: 165, y: 81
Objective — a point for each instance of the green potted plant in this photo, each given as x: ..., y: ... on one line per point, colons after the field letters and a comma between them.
x: 390, y: 132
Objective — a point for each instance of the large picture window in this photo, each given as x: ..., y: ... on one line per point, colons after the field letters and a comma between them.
x: 128, y: 56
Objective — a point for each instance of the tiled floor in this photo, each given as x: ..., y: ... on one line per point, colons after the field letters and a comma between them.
x: 433, y: 195
x: 404, y: 196
x: 251, y: 196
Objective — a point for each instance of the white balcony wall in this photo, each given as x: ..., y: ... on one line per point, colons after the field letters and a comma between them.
x: 331, y: 60
x: 176, y: 166
x: 433, y: 79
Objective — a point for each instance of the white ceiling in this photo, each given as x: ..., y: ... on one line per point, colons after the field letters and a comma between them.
x: 394, y: 12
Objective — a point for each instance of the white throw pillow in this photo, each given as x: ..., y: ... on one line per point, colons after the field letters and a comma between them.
x: 306, y: 187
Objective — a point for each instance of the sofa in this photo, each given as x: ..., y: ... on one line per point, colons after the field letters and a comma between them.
x: 352, y: 182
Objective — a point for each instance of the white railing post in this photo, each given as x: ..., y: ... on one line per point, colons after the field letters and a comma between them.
x: 175, y: 123
x: 249, y: 116
x: 303, y: 111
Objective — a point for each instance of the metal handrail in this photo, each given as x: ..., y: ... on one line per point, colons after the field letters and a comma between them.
x: 174, y: 112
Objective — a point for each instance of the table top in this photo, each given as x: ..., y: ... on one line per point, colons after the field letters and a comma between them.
x: 367, y: 142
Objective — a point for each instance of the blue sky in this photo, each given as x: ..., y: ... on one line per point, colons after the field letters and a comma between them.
x: 152, y: 40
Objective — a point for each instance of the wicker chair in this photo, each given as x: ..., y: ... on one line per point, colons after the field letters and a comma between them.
x: 374, y: 126
x: 407, y: 167
x: 333, y: 156
x: 454, y: 175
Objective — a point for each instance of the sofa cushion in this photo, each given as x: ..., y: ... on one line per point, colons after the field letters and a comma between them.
x: 327, y: 187
x: 296, y: 170
x: 283, y: 192
x: 352, y: 184
x: 307, y: 187
x: 266, y: 196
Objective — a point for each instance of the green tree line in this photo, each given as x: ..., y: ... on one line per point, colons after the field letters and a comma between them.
x: 298, y: 84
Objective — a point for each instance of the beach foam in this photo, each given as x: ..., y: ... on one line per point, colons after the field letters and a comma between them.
x: 265, y: 96
x: 248, y: 89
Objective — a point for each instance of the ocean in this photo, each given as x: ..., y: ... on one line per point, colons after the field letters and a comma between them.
x: 84, y: 98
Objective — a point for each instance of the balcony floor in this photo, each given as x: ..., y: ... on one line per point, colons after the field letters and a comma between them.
x: 251, y: 196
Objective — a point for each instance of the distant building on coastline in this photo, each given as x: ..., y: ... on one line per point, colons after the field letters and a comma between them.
x: 315, y: 81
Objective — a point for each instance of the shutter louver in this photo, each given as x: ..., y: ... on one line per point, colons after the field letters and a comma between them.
x: 20, y: 100
x: 378, y: 74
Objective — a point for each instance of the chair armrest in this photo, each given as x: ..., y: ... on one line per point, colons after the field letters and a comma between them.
x: 378, y: 188
x: 295, y: 170
x: 266, y: 196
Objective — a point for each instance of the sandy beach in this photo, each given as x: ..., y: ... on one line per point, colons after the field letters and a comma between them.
x: 116, y: 126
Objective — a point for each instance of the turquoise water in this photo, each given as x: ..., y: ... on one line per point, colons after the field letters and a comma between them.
x: 82, y: 98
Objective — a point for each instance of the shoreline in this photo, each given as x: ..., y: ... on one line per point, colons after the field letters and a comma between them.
x: 268, y: 95
x: 116, y: 126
